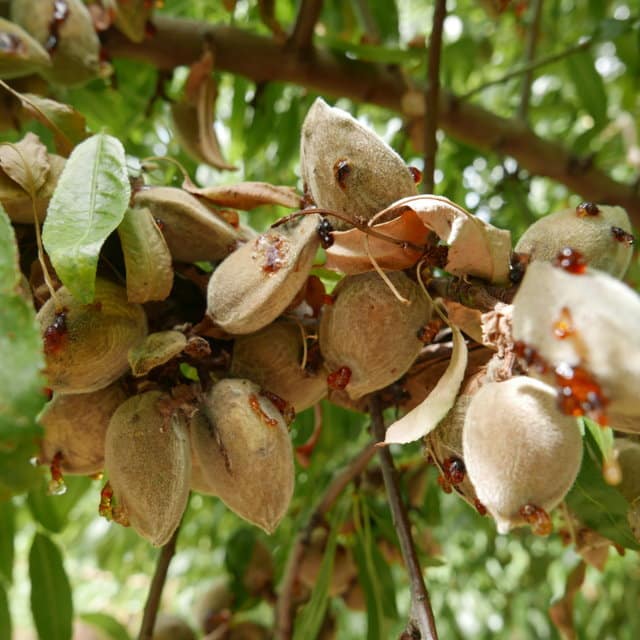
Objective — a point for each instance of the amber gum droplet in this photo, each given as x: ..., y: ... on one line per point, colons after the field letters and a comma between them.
x: 416, y: 174
x: 579, y: 394
x: 585, y: 209
x: 427, y: 333
x: 444, y: 484
x: 286, y: 409
x: 57, y: 487
x: 530, y: 356
x: 563, y: 327
x: 454, y: 470
x: 538, y: 518
x: 480, y: 508
x: 571, y: 261
x: 254, y: 403
x: 55, y: 335
x: 622, y: 236
x: 339, y: 379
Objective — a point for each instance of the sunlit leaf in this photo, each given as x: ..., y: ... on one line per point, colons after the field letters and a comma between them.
x: 88, y: 204
x: 146, y: 256
x: 106, y: 623
x: 598, y: 505
x: 51, y: 603
x: 5, y: 614
x: 589, y: 86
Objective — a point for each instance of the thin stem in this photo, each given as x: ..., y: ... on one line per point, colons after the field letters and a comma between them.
x: 532, y: 66
x: 532, y: 43
x: 284, y: 606
x: 157, y: 585
x: 432, y: 96
x: 306, y: 20
x: 421, y: 622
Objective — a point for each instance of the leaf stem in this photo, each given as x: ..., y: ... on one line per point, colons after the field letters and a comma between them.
x: 301, y: 38
x: 284, y: 607
x: 157, y: 586
x: 421, y: 625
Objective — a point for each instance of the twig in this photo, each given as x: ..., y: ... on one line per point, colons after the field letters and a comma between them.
x: 470, y: 294
x: 370, y: 26
x: 306, y: 20
x: 432, y: 96
x: 156, y: 587
x: 421, y: 624
x: 532, y: 66
x: 284, y: 606
x: 532, y: 43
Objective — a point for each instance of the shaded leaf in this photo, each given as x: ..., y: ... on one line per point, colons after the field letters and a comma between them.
x: 9, y: 267
x: 26, y: 162
x: 247, y: 195
x: 20, y: 54
x: 7, y: 533
x: 5, y: 614
x: 52, y: 511
x: 598, y: 505
x: 146, y: 256
x: 68, y: 125
x: 51, y: 603
x: 17, y: 474
x: 426, y: 416
x: 88, y: 204
x: 21, y: 383
x: 589, y: 86
x: 106, y: 623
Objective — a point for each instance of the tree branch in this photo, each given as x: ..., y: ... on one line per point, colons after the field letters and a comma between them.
x: 180, y: 42
x: 421, y: 620
x: 284, y: 606
x: 432, y: 96
x: 308, y: 15
x: 157, y: 585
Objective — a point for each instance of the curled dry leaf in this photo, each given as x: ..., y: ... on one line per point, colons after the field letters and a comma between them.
x: 194, y: 116
x: 192, y: 231
x: 426, y: 416
x: 242, y: 445
x: 17, y: 202
x: 257, y: 282
x: 75, y: 426
x: 602, y: 234
x: 147, y: 257
x: 368, y: 334
x: 589, y: 321
x: 272, y: 358
x: 74, y: 48
x: 148, y: 459
x: 26, y: 162
x: 347, y: 167
x: 247, y: 195
x: 519, y: 450
x: 86, y: 345
x: 20, y: 54
x: 156, y: 349
x: 475, y: 247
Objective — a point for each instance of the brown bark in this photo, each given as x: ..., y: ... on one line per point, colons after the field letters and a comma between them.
x: 180, y: 42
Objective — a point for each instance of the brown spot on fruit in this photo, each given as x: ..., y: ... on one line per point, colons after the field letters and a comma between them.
x: 274, y: 251
x: 341, y: 171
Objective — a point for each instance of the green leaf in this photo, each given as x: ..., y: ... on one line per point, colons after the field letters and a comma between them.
x: 598, y: 505
x: 21, y: 383
x: 88, y: 204
x: 146, y: 256
x: 9, y: 268
x: 17, y: 474
x: 5, y: 615
x: 106, y: 623
x: 309, y: 620
x: 237, y: 557
x: 51, y: 603
x: 7, y: 534
x: 589, y: 86
x: 52, y: 512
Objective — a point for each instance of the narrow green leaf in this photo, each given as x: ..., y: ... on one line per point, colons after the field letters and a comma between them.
x: 51, y: 603
x: 88, y: 204
x: 7, y: 534
x: 106, y: 623
x: 5, y: 615
x: 309, y: 621
x: 589, y: 86
x: 146, y: 256
x: 52, y: 512
x: 9, y: 269
x: 21, y: 384
x: 600, y: 506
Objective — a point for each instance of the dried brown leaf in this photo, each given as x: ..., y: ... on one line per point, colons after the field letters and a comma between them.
x: 26, y: 162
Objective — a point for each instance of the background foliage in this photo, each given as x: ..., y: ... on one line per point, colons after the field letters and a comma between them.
x: 483, y: 585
